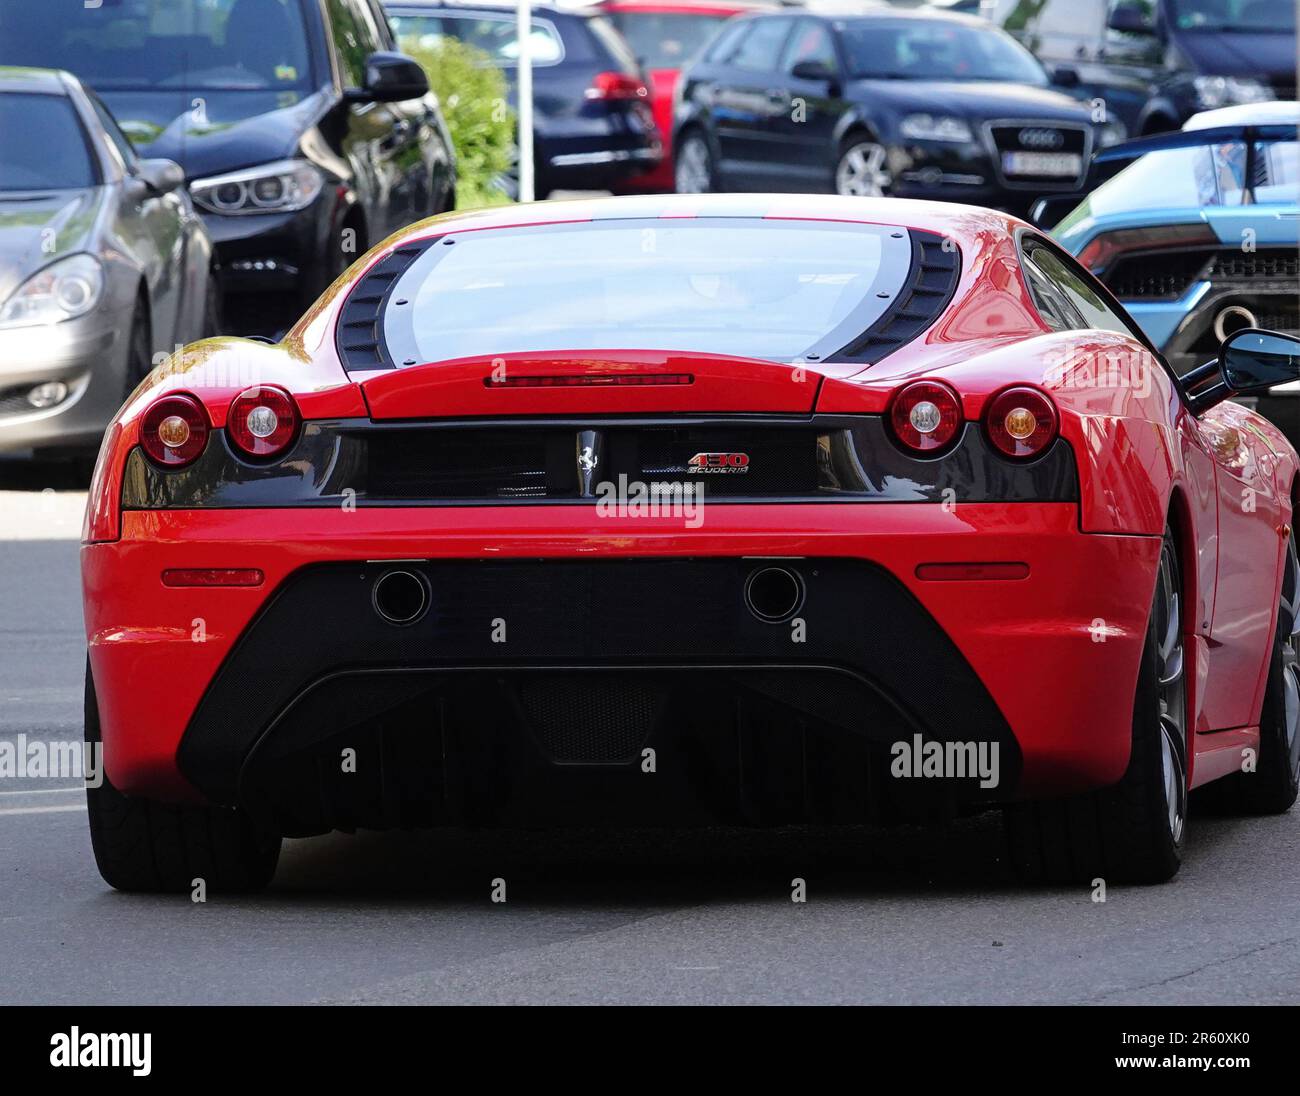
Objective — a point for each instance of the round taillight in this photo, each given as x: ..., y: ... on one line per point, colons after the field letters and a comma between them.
x: 925, y: 416
x: 1020, y: 422
x: 174, y: 431
x: 262, y: 422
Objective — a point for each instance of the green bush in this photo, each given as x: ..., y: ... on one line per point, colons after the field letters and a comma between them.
x: 473, y: 95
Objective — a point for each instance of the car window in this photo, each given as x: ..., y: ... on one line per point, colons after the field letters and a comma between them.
x: 1134, y: 47
x: 195, y: 45
x: 750, y: 287
x: 115, y: 134
x: 724, y: 45
x: 760, y: 49
x: 915, y: 49
x: 355, y: 38
x: 811, y: 41
x: 1086, y: 301
x: 663, y: 39
x: 45, y: 144
x: 382, y: 24
x: 493, y: 34
x: 614, y: 44
x: 1268, y: 16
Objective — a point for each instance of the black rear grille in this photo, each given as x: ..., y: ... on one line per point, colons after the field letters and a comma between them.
x: 542, y: 463
x: 1281, y: 263
x: 1156, y: 274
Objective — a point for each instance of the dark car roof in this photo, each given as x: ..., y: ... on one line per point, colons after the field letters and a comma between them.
x: 852, y: 11
x: 35, y: 80
x: 539, y: 10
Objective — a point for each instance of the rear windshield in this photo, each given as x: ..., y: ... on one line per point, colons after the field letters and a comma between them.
x: 748, y: 287
x: 45, y: 146
x: 231, y: 45
x: 666, y: 39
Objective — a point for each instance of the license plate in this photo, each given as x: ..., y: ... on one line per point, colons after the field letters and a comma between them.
x: 1054, y: 164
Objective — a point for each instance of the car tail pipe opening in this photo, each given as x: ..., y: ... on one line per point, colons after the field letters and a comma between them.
x: 401, y: 597
x: 1232, y: 319
x: 774, y: 594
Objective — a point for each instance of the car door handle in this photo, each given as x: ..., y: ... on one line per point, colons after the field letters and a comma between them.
x: 778, y: 96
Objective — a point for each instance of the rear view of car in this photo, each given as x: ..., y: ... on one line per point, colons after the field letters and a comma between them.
x: 665, y: 35
x: 592, y: 123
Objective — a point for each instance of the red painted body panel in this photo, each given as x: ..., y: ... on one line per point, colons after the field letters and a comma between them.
x: 1058, y: 651
x: 1066, y: 695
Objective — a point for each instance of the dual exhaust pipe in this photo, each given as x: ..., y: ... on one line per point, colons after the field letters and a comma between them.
x: 772, y: 595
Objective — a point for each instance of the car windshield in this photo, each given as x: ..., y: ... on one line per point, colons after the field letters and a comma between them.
x: 751, y: 288
x: 495, y: 35
x: 144, y: 44
x: 45, y: 145
x: 935, y: 50
x: 1195, y: 178
x: 666, y: 39
x: 1241, y: 16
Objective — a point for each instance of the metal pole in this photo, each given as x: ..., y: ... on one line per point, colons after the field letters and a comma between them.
x: 523, y: 31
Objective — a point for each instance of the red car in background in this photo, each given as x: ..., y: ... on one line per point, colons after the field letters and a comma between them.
x: 664, y: 35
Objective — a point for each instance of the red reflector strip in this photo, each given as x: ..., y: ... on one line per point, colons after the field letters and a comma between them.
x: 970, y: 572
x: 599, y: 380
x: 214, y: 576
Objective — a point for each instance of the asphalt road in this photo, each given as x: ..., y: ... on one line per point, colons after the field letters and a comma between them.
x: 891, y: 916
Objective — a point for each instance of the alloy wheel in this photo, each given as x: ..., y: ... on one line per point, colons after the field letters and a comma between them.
x: 1289, y: 625
x: 861, y: 171
x: 693, y: 173
x: 1172, y: 691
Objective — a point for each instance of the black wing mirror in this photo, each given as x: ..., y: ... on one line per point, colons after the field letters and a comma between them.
x: 812, y: 70
x: 1130, y: 19
x: 1252, y: 360
x: 391, y: 78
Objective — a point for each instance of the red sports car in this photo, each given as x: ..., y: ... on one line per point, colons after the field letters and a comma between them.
x: 664, y: 35
x: 693, y: 510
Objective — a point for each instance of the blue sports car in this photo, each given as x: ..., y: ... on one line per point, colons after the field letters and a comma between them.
x: 1198, y: 236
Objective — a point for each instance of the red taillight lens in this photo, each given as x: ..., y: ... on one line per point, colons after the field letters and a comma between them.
x: 213, y: 576
x: 1021, y: 422
x: 174, y: 431
x: 1102, y: 250
x: 616, y: 85
x: 262, y: 422
x: 925, y: 416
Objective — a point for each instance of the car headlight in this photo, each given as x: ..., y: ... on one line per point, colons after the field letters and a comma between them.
x: 282, y: 187
x: 63, y: 290
x: 1111, y: 133
x: 1226, y: 91
x: 934, y: 127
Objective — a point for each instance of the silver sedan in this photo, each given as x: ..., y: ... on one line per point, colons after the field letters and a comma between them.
x: 104, y: 264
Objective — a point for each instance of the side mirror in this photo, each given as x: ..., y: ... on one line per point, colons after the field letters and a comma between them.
x: 1130, y: 19
x: 1252, y: 360
x: 160, y: 176
x: 391, y: 78
x: 812, y: 70
x: 1047, y: 213
x: 1065, y: 76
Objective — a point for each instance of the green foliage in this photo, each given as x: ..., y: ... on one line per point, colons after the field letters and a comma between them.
x: 473, y: 95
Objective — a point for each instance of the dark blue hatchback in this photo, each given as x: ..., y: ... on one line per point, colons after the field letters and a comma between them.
x: 592, y: 123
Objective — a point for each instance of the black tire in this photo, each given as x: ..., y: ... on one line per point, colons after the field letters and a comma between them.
x: 214, y: 321
x: 1272, y: 786
x: 139, y: 359
x: 144, y: 846
x: 694, y: 171
x: 1132, y: 832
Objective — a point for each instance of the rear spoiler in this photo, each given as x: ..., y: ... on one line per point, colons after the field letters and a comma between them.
x: 1193, y: 138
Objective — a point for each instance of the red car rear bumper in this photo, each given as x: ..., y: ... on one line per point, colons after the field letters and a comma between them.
x: 1057, y: 650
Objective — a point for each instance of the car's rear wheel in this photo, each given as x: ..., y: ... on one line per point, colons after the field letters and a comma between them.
x: 1132, y: 832
x: 861, y: 169
x: 693, y: 165
x: 1271, y: 785
x: 139, y: 356
x: 141, y: 845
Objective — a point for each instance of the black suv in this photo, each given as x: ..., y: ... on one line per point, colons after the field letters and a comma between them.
x: 1154, y: 63
x: 912, y: 104
x: 592, y: 123
x: 303, y: 136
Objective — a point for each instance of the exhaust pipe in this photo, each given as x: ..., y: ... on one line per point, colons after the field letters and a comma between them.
x: 1232, y: 319
x: 400, y: 597
x: 773, y: 594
